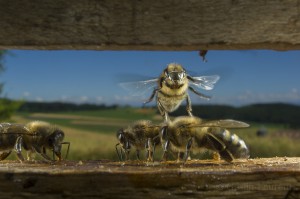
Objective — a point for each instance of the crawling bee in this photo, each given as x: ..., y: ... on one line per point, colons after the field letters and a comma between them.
x: 171, y: 87
x: 42, y: 136
x: 33, y: 137
x: 141, y: 134
x: 191, y: 133
x: 11, y: 138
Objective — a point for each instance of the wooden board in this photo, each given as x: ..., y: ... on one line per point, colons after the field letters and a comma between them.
x: 258, y: 178
x: 150, y: 25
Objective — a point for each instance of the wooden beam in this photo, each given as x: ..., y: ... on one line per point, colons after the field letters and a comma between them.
x: 254, y: 178
x: 150, y: 25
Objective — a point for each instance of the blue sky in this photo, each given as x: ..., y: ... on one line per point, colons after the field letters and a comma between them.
x: 92, y: 76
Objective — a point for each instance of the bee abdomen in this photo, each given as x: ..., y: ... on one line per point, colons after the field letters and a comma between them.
x: 234, y: 145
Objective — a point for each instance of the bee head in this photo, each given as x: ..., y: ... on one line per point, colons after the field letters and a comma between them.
x: 123, y: 139
x: 121, y: 136
x: 175, y: 73
x: 55, y: 140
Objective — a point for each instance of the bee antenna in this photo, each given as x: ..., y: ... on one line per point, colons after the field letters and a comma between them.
x: 68, y: 143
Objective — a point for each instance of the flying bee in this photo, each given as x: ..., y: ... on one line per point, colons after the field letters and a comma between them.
x: 11, y: 138
x: 187, y: 134
x: 141, y: 134
x: 171, y: 87
x: 42, y: 136
x: 202, y: 54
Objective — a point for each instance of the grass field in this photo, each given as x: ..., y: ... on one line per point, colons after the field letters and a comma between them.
x: 92, y: 133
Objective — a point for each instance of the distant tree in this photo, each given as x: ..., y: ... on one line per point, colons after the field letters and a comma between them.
x: 7, y: 106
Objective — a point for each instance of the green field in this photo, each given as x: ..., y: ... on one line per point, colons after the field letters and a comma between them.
x: 92, y: 133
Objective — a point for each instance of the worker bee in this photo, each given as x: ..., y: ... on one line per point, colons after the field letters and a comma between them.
x: 202, y: 54
x: 11, y: 138
x: 187, y: 134
x: 42, y: 136
x: 141, y: 134
x: 171, y: 87
x: 33, y: 137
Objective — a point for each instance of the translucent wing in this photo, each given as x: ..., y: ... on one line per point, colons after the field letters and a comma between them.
x: 139, y: 88
x: 224, y: 124
x: 9, y: 128
x: 204, y: 82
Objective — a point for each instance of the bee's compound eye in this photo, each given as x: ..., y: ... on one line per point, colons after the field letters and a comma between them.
x: 181, y: 75
x: 120, y: 135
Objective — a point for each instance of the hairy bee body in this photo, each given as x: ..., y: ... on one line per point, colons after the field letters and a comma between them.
x: 173, y: 89
x: 141, y: 134
x: 35, y: 136
x: 42, y: 136
x: 187, y: 134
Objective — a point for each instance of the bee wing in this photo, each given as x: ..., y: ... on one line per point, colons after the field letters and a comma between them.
x: 204, y: 82
x: 139, y: 88
x: 224, y: 124
x: 17, y: 129
x: 9, y: 128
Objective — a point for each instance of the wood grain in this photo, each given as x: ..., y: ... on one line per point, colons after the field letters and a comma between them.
x: 259, y: 178
x: 150, y: 25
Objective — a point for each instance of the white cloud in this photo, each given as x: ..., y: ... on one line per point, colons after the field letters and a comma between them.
x: 99, y: 99
x: 39, y: 99
x: 26, y: 94
x: 83, y: 99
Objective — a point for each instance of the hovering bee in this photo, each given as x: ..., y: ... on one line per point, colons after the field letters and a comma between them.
x: 141, y: 134
x: 11, y: 138
x: 202, y: 54
x: 171, y: 88
x: 42, y: 136
x: 191, y: 133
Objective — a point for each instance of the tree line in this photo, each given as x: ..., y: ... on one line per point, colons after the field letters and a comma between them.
x: 287, y: 114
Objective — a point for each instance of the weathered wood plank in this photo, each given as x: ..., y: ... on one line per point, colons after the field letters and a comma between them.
x: 150, y: 25
x: 259, y: 178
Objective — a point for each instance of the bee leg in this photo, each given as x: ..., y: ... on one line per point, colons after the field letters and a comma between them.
x: 152, y: 96
x: 162, y: 111
x: 150, y: 150
x: 219, y: 146
x: 154, y: 146
x: 29, y: 155
x: 199, y: 94
x: 127, y: 150
x: 188, y: 149
x: 189, y: 105
x: 226, y: 155
x: 138, y: 154
x: 216, y: 156
x: 166, y: 148
x: 180, y: 156
x: 119, y: 153
x: 4, y: 155
x: 18, y: 148
x: 44, y: 155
